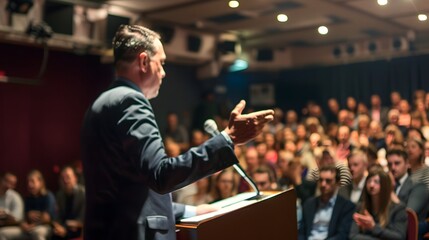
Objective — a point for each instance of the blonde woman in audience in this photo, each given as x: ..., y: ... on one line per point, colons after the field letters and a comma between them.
x: 379, y: 217
x: 393, y: 137
x: 419, y: 170
x: 393, y: 116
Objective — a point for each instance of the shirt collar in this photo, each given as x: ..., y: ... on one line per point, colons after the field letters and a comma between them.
x: 403, y: 178
x: 361, y: 184
x: 121, y: 81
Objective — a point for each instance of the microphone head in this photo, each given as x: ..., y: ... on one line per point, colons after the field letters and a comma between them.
x: 210, y: 127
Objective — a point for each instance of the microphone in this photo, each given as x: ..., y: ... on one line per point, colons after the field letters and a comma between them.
x: 210, y: 127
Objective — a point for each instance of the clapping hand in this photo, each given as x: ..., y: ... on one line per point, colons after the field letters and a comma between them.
x: 365, y: 220
x: 244, y: 127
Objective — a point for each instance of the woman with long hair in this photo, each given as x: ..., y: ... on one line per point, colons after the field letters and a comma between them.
x: 416, y: 157
x: 225, y: 185
x: 379, y: 216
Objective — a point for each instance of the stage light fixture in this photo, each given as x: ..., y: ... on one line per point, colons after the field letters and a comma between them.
x: 19, y: 6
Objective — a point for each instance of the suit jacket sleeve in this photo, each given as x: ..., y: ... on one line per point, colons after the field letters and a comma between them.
x: 178, y: 210
x: 418, y: 198
x: 397, y: 227
x: 140, y: 138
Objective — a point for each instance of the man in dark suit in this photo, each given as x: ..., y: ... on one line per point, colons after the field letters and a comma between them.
x: 328, y: 216
x: 127, y: 173
x: 413, y: 195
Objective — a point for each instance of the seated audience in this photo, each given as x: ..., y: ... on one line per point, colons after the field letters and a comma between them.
x: 329, y: 215
x: 39, y: 210
x: 379, y: 217
x: 70, y: 206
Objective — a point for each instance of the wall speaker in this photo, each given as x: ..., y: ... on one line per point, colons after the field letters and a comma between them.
x: 225, y: 47
x: 193, y: 43
x: 265, y: 55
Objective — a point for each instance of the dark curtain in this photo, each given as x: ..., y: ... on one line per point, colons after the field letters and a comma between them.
x: 360, y: 80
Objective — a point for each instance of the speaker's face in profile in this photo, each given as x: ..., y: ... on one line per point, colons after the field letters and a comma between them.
x: 155, y: 72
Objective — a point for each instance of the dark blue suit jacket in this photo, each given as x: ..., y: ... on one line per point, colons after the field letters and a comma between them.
x: 128, y: 175
x: 341, y: 219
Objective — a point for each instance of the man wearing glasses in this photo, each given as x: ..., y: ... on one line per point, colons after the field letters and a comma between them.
x: 328, y: 215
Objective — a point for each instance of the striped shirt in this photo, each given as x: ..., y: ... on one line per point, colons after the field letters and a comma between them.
x: 345, y: 175
x: 421, y: 176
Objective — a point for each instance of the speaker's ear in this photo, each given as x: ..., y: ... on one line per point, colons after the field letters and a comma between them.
x: 143, y: 61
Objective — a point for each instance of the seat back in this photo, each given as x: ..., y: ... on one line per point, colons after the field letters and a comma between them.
x: 413, y: 223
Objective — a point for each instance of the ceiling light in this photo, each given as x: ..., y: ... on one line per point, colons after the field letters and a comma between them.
x: 233, y: 4
x: 423, y: 17
x: 239, y: 65
x: 282, y: 18
x: 323, y: 30
x: 382, y: 2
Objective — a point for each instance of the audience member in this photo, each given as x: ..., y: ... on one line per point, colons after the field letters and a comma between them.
x: 378, y: 112
x: 344, y: 144
x: 177, y: 132
x: 11, y: 206
x: 284, y: 181
x: 395, y: 98
x: 414, y: 195
x: 419, y: 171
x: 351, y: 104
x: 358, y: 164
x: 379, y: 217
x: 325, y: 156
x: 264, y: 178
x: 70, y: 206
x: 328, y: 216
x: 225, y: 185
x: 252, y: 162
x: 333, y: 110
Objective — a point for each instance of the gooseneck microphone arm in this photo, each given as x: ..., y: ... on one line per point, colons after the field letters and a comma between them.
x: 210, y: 127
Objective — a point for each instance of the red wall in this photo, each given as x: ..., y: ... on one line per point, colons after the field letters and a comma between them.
x: 40, y: 124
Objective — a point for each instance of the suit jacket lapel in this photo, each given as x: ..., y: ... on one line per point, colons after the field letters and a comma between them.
x: 335, y: 214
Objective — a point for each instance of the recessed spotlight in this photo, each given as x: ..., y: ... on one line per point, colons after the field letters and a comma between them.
x: 382, y: 2
x: 282, y: 18
x: 233, y: 4
x: 323, y: 30
x: 422, y: 17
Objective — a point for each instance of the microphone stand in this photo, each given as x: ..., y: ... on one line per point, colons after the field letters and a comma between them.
x: 243, y: 174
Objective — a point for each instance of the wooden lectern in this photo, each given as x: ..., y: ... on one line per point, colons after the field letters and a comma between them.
x: 271, y: 217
